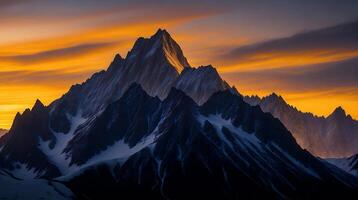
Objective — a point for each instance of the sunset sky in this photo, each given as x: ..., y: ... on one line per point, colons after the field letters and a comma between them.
x: 306, y: 51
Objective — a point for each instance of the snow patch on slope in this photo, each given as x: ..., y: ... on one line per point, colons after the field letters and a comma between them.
x: 23, y: 171
x: 56, y: 154
x: 250, y: 141
x: 219, y: 122
x: 120, y: 150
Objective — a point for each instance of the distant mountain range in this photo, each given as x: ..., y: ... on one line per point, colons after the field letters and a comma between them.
x: 153, y: 127
x: 333, y: 136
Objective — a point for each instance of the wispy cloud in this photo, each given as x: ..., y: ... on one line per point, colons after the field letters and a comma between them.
x: 317, y: 88
x: 49, y: 78
x: 333, y: 76
x: 329, y: 44
x: 61, y: 53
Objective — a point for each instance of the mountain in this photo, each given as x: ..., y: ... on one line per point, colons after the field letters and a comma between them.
x: 338, y: 130
x: 176, y: 149
x: 151, y: 126
x: 156, y: 63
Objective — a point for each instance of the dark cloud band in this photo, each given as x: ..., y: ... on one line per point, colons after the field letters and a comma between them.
x: 339, y: 38
x: 45, y: 78
x: 58, y: 53
x: 319, y: 77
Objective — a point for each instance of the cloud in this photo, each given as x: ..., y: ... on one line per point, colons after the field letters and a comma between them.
x: 96, y: 20
x: 52, y: 9
x: 334, y: 76
x: 328, y: 44
x: 49, y: 78
x: 55, y: 54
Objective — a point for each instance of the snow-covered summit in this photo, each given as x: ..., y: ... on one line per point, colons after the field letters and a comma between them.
x: 159, y: 46
x: 200, y: 83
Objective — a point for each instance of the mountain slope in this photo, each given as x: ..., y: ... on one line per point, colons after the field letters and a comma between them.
x: 18, y: 148
x: 338, y: 130
x: 224, y: 149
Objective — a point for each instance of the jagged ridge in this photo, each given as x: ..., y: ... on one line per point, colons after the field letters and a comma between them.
x: 338, y: 130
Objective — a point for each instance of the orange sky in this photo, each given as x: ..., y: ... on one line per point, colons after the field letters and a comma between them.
x: 41, y: 57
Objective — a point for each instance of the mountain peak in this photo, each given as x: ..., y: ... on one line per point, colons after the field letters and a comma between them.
x: 338, y: 112
x: 161, y: 33
x: 159, y: 46
x: 200, y: 83
x: 273, y: 94
x: 275, y: 97
x: 38, y: 105
x: 116, y: 63
x: 117, y: 58
x: 208, y: 68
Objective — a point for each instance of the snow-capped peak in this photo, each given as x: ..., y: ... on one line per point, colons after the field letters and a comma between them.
x: 200, y: 83
x: 161, y: 44
x: 162, y: 33
x: 274, y: 98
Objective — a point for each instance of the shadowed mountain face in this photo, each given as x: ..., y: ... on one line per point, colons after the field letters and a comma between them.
x: 152, y: 126
x: 176, y: 149
x: 334, y: 136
